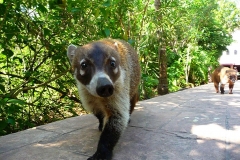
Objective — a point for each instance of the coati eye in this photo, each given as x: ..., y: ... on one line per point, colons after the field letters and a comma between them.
x: 83, y: 65
x: 112, y: 63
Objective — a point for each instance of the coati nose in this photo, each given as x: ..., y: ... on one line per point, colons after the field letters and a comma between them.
x: 104, y: 87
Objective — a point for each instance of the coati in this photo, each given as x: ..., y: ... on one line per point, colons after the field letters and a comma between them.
x: 224, y: 75
x: 107, y: 73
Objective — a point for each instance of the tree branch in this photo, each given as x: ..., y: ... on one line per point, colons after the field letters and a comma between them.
x: 39, y: 85
x: 42, y: 84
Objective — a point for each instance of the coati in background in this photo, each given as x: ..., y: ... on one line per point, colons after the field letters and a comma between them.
x: 224, y: 75
x: 107, y: 73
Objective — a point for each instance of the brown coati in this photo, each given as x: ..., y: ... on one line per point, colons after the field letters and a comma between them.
x: 107, y: 73
x: 224, y: 75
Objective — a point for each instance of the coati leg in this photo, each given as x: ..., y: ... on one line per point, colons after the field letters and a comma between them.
x: 110, y: 136
x: 133, y: 102
x: 231, y: 88
x: 100, y: 117
x: 216, y: 85
x: 222, y: 88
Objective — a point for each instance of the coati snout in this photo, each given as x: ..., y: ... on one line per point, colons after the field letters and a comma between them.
x: 104, y: 87
x: 232, y: 78
x: 107, y: 73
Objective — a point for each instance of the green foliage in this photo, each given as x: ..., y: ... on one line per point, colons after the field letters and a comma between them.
x: 36, y: 83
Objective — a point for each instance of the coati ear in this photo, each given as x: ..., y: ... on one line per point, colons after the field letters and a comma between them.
x: 71, y: 52
x: 116, y: 45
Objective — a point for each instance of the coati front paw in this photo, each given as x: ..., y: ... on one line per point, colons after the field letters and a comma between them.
x: 222, y: 90
x: 101, y: 156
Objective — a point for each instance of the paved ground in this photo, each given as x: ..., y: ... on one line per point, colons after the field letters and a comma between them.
x: 192, y: 124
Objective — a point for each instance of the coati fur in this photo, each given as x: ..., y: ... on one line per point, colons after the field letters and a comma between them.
x: 224, y: 75
x: 107, y: 73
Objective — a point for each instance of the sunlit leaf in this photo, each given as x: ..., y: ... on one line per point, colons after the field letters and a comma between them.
x: 17, y: 58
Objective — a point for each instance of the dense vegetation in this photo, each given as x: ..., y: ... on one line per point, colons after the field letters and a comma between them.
x: 177, y: 40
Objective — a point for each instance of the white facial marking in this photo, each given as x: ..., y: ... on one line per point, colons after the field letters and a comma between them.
x: 113, y: 58
x: 115, y: 71
x: 122, y: 76
x: 82, y: 72
x: 83, y: 60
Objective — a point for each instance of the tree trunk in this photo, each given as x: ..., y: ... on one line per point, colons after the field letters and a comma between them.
x: 157, y: 4
x: 163, y: 81
x: 187, y: 65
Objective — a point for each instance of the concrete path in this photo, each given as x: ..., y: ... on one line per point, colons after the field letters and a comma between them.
x: 194, y: 124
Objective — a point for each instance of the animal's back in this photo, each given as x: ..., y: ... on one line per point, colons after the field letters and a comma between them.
x: 218, y: 73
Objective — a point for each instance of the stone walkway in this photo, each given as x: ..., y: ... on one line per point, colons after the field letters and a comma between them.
x: 194, y: 124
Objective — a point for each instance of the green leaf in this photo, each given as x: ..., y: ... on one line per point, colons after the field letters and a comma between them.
x: 3, y: 124
x: 8, y: 52
x: 2, y: 9
x: 42, y: 8
x: 46, y: 31
x: 107, y: 32
x: 75, y: 10
x: 2, y: 88
x: 17, y: 58
x: 28, y: 74
x: 18, y: 101
x: 2, y: 79
x: 131, y: 41
x: 107, y: 3
x: 11, y: 120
